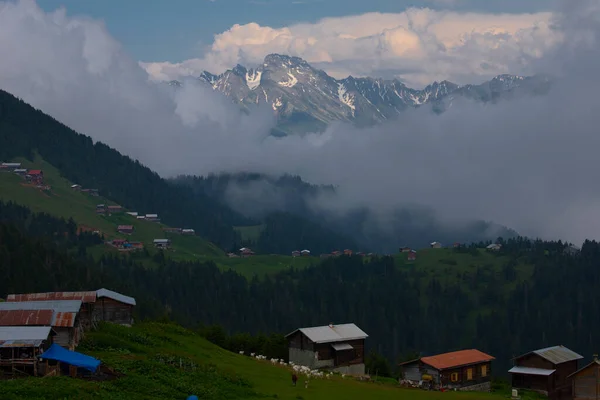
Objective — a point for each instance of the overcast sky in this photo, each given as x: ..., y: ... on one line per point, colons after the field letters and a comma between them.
x: 530, y: 164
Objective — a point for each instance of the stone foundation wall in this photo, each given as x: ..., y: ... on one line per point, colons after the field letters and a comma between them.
x: 480, y: 387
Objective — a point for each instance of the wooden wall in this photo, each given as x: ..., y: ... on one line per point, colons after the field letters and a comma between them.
x: 586, y: 384
x: 113, y: 311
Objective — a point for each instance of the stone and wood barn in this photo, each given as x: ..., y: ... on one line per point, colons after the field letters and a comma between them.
x: 547, y: 371
x: 468, y: 370
x: 340, y: 348
x: 586, y: 381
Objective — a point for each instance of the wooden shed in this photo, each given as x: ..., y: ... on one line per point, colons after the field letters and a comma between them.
x: 114, y: 307
x: 586, y: 381
x: 468, y: 370
x: 547, y: 371
x: 340, y: 348
x: 20, y: 346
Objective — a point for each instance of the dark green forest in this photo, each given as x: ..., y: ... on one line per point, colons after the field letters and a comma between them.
x: 403, y: 310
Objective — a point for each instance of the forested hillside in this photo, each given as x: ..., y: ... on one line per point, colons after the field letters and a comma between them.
x: 24, y: 131
x: 528, y: 295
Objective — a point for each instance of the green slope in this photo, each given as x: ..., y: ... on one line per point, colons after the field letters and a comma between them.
x: 65, y: 202
x: 165, y: 361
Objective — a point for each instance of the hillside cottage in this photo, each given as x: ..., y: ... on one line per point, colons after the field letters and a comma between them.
x: 162, y: 243
x: 125, y: 229
x: 338, y: 348
x: 494, y: 247
x: 114, y: 209
x: 586, y: 381
x: 435, y: 245
x: 11, y: 166
x: 412, y: 255
x: 405, y: 249
x: 172, y: 230
x: 347, y: 252
x: 132, y: 213
x: 468, y: 370
x: 62, y: 316
x: 20, y: 171
x: 336, y: 253
x: 20, y: 347
x: 295, y: 253
x: 76, y: 187
x: 100, y: 208
x: 152, y: 217
x: 246, y: 252
x: 35, y: 176
x: 547, y: 371
x: 305, y: 253
x: 187, y: 231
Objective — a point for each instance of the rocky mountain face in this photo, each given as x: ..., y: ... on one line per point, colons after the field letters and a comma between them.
x: 307, y: 99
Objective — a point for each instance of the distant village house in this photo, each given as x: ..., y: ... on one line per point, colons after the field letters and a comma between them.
x: 125, y: 229
x: 162, y: 243
x: 305, y: 253
x: 188, y: 231
x: 152, y: 217
x: 11, y: 166
x: 35, y: 176
x: 172, y: 230
x: 494, y: 247
x: 461, y: 370
x: 246, y: 252
x: 132, y: 213
x: 114, y: 209
x: 547, y: 371
x: 412, y: 255
x: 76, y: 187
x: 347, y: 252
x: 405, y: 249
x: 100, y: 208
x: 435, y: 245
x: 339, y: 348
x: 295, y: 253
x: 20, y: 171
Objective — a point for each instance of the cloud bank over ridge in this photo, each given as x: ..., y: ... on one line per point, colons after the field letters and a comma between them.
x: 417, y: 46
x: 530, y: 163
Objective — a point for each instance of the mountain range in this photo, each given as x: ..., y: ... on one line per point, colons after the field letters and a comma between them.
x: 308, y: 99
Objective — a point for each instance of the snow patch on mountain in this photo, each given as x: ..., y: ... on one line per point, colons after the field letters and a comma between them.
x: 345, y: 97
x: 290, y: 82
x: 253, y: 79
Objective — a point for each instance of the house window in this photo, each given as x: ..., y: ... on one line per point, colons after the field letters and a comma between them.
x: 484, y: 370
x: 454, y: 377
x: 470, y: 374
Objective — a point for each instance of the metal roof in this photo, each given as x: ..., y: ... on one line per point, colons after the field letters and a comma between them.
x: 341, y: 346
x: 531, y: 371
x: 556, y: 354
x: 56, y: 305
x: 64, y: 319
x: 162, y: 240
x: 457, y: 358
x: 21, y: 333
x: 595, y: 362
x: 86, y: 297
x: 26, y: 317
x: 332, y: 333
x: 115, y: 296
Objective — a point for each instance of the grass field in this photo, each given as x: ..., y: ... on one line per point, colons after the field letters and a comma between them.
x: 165, y: 361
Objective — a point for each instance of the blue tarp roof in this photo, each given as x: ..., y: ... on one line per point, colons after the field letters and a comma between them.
x: 55, y: 352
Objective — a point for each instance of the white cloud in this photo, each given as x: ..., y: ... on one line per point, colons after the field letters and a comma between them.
x: 418, y: 45
x: 530, y: 164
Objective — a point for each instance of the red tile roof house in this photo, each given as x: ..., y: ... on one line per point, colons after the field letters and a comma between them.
x: 126, y: 229
x: 468, y: 370
x: 35, y: 176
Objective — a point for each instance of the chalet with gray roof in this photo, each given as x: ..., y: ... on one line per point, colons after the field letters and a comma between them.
x: 340, y: 348
x: 547, y: 371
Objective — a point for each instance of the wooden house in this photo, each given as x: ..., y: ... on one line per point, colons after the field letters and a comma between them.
x: 336, y: 253
x: 494, y: 247
x: 76, y: 187
x: 119, y: 243
x: 338, y: 348
x: 114, y: 307
x: 468, y: 370
x: 20, y: 347
x: 305, y: 253
x: 295, y: 253
x: 173, y: 230
x: 547, y: 371
x: 152, y: 217
x: 132, y: 213
x: 61, y: 315
x: 188, y: 231
x: 114, y: 209
x: 412, y: 255
x: 405, y: 249
x: 347, y: 252
x: 586, y: 381
x: 22, y: 172
x: 435, y: 245
x: 125, y: 229
x: 11, y: 166
x: 35, y: 176
x: 162, y: 243
x: 246, y: 252
x: 100, y: 208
